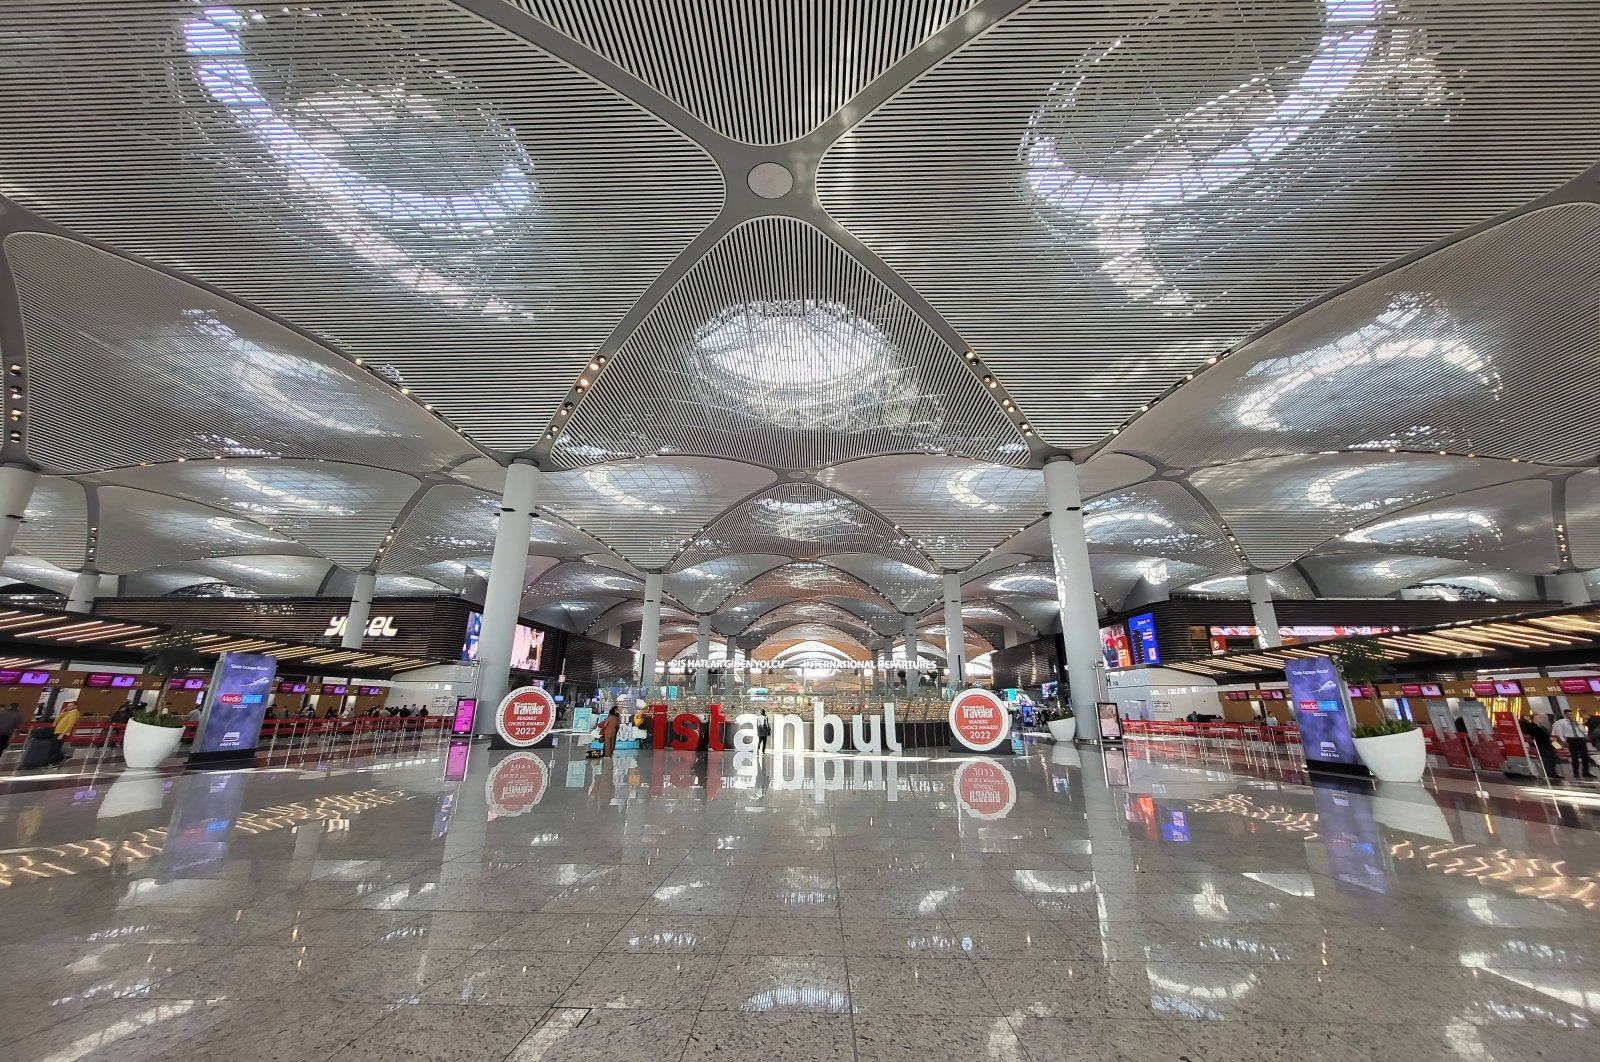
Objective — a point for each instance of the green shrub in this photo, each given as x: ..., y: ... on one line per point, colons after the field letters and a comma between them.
x: 158, y: 719
x: 1397, y: 726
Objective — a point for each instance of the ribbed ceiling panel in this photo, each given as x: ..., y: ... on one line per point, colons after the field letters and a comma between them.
x: 802, y: 521
x: 35, y: 572
x: 780, y: 349
x: 1583, y: 519
x: 956, y: 511
x: 1116, y: 574
x: 407, y: 180
x: 1286, y: 583
x: 1098, y: 195
x: 1508, y: 526
x: 1159, y: 519
x: 267, y: 576
x: 55, y: 526
x: 449, y: 523
x: 1366, y: 575
x: 139, y: 529
x: 341, y: 511
x: 909, y: 587
x: 1284, y: 507
x: 649, y: 510
x: 1459, y: 351
x: 190, y: 375
x: 708, y: 583
x: 806, y: 581
x: 575, y: 580
x: 753, y: 70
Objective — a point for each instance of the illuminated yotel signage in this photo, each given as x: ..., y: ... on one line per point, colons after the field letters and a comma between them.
x: 377, y: 627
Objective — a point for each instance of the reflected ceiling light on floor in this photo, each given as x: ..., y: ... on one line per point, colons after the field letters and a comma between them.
x: 387, y: 161
x: 807, y: 365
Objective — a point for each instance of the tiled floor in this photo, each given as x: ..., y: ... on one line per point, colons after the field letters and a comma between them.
x: 927, y: 908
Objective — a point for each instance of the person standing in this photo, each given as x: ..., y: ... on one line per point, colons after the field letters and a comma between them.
x: 763, y: 725
x: 65, y: 722
x: 10, y: 719
x: 1577, y: 742
x: 608, y: 732
x: 1535, y: 733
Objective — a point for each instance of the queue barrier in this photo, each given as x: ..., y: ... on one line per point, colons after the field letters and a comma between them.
x: 104, y: 733
x: 1283, y: 734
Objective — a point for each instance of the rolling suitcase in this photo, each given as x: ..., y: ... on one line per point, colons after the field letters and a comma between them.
x: 36, y: 749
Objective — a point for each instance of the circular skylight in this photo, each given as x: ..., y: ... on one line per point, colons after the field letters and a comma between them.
x: 806, y: 364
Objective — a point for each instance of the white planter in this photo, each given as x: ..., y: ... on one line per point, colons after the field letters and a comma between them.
x: 144, y: 747
x: 1062, y: 731
x: 1394, y: 757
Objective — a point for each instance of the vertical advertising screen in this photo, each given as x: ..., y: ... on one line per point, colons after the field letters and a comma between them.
x: 469, y: 648
x: 1114, y: 641
x: 1318, y: 695
x: 527, y: 648
x: 466, y: 711
x: 235, y: 703
x: 1142, y: 638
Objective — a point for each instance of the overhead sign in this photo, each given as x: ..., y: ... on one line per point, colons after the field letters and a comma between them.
x: 985, y: 789
x: 526, y: 716
x: 979, y: 720
x: 516, y: 784
x: 377, y: 627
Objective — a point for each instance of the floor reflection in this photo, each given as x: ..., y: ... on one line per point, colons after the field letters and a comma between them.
x: 1016, y: 904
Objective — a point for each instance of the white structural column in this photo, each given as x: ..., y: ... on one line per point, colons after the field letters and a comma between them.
x: 355, y: 621
x: 16, y: 489
x: 1266, y: 614
x: 730, y: 652
x: 1574, y: 591
x: 744, y: 671
x: 502, y: 601
x: 911, y: 656
x: 1080, y: 620
x: 955, y: 641
x: 702, y: 650
x: 650, y: 631
x: 85, y: 588
x: 1009, y: 637
x: 613, y: 635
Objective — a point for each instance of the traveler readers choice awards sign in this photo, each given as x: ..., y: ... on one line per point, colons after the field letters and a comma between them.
x: 516, y: 784
x: 525, y: 717
x: 985, y: 789
x: 979, y: 720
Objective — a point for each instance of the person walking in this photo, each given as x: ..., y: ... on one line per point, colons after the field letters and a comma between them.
x: 10, y: 720
x: 65, y: 722
x: 1535, y: 733
x: 608, y: 732
x: 1577, y: 742
x: 763, y: 726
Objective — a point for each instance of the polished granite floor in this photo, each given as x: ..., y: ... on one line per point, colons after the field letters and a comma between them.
x: 1059, y: 905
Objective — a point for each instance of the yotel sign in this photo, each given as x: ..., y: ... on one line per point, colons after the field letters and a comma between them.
x: 377, y: 627
x: 525, y: 717
x: 979, y: 720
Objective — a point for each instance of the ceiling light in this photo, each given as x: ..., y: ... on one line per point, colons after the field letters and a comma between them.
x: 594, y: 366
x: 990, y: 381
x: 582, y: 383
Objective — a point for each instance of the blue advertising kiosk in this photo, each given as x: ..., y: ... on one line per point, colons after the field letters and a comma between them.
x: 1322, y: 711
x: 236, y: 703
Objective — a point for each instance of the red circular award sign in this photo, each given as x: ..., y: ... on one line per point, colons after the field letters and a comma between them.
x: 516, y: 784
x: 526, y: 716
x: 979, y: 720
x: 985, y: 789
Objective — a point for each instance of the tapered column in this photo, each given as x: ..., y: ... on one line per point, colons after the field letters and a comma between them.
x: 1574, y: 590
x: 1008, y: 637
x: 85, y: 588
x: 502, y: 601
x: 911, y: 656
x: 650, y: 632
x: 613, y: 636
x: 744, y: 670
x: 355, y: 621
x: 1266, y: 615
x: 16, y: 489
x: 955, y: 641
x: 730, y: 651
x: 702, y: 650
x: 1080, y: 620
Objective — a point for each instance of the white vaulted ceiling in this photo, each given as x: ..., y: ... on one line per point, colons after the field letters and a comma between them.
x: 792, y: 301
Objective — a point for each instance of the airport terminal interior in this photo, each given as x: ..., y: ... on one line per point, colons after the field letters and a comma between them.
x: 1026, y: 530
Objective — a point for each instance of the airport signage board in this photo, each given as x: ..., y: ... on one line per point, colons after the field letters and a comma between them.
x: 525, y: 717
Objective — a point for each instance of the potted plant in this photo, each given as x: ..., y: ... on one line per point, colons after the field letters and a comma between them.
x: 150, y: 738
x: 1392, y: 751
x: 1061, y: 724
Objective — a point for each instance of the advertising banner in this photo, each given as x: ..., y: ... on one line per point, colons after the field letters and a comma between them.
x: 1142, y: 636
x: 466, y: 712
x: 582, y: 719
x: 979, y: 720
x: 1319, y: 708
x: 236, y: 702
x: 1110, y: 722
